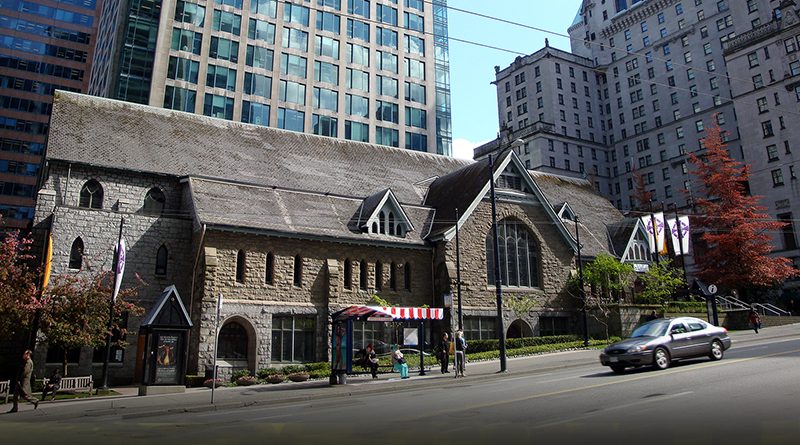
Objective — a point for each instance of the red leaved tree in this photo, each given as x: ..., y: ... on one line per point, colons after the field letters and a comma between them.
x: 736, y: 229
x: 642, y: 196
x: 19, y: 295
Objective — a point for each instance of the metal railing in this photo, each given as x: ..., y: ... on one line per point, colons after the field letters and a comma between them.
x: 728, y: 303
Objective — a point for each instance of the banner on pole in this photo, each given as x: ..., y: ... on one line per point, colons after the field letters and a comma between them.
x: 679, y: 231
x: 119, y: 267
x: 657, y: 240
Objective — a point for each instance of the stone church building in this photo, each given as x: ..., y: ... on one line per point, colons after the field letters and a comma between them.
x: 291, y: 227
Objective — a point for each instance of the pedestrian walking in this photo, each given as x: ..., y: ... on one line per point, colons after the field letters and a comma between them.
x: 399, y: 361
x: 461, y: 356
x: 444, y: 353
x: 755, y: 320
x: 23, y: 384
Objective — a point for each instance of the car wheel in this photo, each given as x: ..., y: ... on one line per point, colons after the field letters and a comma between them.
x: 717, y: 351
x: 618, y: 369
x: 661, y: 359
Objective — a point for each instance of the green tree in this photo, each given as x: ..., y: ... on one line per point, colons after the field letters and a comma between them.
x: 19, y: 293
x: 661, y: 281
x: 608, y: 276
x: 75, y: 312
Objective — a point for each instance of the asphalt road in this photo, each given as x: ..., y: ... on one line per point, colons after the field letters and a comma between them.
x: 752, y: 396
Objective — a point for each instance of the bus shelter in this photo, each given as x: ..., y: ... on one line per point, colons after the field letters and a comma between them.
x: 342, y: 332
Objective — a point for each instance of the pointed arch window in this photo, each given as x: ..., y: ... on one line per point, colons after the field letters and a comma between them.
x: 91, y: 195
x: 393, y: 276
x: 154, y: 201
x: 161, y: 260
x: 378, y: 275
x: 240, y: 266
x: 383, y: 224
x: 519, y: 255
x: 298, y: 271
x: 391, y: 223
x: 362, y: 275
x: 269, y: 268
x: 407, y: 276
x: 348, y: 273
x: 76, y: 254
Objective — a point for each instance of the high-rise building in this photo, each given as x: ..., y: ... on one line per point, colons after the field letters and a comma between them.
x: 366, y: 70
x: 44, y: 45
x: 641, y: 83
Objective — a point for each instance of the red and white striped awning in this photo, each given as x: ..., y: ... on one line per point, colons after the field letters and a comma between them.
x: 375, y: 313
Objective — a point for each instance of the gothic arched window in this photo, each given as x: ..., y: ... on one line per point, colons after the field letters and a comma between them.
x: 519, y: 255
x: 91, y: 195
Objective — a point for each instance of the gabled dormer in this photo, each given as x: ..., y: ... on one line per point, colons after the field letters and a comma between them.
x: 512, y: 179
x: 381, y: 213
x: 565, y: 212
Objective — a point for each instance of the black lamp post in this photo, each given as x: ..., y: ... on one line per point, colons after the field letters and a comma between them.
x: 581, y: 292
x: 501, y: 335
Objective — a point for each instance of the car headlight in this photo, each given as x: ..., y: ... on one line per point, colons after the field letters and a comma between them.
x: 638, y: 348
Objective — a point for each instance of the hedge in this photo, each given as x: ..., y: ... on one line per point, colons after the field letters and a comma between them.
x: 537, y: 349
x: 474, y: 346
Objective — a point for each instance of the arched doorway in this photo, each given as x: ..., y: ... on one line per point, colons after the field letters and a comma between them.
x: 237, y: 345
x: 519, y: 329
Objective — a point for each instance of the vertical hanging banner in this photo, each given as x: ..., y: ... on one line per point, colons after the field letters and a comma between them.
x: 119, y: 267
x: 657, y: 241
x: 48, y: 259
x: 679, y: 231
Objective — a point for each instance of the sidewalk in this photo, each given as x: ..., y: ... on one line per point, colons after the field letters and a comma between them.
x: 128, y: 405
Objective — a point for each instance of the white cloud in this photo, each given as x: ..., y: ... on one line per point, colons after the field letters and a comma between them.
x: 463, y: 148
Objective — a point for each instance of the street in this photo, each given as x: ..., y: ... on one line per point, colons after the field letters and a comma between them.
x: 751, y: 396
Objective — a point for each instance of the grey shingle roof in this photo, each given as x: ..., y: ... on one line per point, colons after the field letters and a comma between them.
x: 593, y: 210
x: 97, y: 131
x: 293, y: 213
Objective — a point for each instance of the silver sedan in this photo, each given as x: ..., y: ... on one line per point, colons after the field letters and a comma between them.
x: 663, y: 340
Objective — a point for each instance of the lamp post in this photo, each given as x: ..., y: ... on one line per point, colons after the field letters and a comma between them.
x: 581, y: 292
x: 109, y: 335
x: 458, y: 278
x: 501, y: 335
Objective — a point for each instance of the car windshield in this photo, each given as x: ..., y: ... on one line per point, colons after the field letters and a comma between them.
x: 652, y: 329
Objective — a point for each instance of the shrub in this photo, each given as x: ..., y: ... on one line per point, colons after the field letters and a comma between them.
x: 263, y: 373
x: 515, y: 343
x: 538, y: 349
x: 246, y: 380
x: 240, y: 373
x: 318, y: 370
x: 291, y: 369
x: 195, y: 381
x: 208, y: 382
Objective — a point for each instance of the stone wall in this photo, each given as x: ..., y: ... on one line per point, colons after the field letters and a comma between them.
x: 124, y: 194
x: 253, y: 302
x: 478, y: 296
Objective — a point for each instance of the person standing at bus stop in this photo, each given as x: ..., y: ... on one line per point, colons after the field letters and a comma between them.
x: 444, y: 353
x: 461, y: 353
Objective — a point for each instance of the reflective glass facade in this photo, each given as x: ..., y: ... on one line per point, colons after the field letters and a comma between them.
x: 44, y: 46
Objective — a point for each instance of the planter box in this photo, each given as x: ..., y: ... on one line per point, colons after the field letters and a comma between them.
x: 298, y: 377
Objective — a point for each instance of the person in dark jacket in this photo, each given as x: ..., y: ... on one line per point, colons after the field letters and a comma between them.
x: 372, y: 360
x: 23, y: 386
x: 444, y: 354
x: 53, y: 383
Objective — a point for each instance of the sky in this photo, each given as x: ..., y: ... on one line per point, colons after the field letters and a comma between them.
x: 473, y: 97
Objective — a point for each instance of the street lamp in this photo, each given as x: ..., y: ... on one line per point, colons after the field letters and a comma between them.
x: 581, y: 292
x: 501, y: 335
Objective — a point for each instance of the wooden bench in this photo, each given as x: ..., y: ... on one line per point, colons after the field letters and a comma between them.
x: 85, y: 383
x: 5, y: 386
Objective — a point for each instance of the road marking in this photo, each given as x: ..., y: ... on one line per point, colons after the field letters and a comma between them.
x: 602, y: 385
x: 614, y: 408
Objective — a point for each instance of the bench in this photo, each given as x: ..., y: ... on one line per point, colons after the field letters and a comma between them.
x: 5, y: 386
x: 85, y: 383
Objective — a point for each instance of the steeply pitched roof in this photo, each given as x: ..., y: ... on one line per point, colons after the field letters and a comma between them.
x: 457, y: 190
x: 233, y: 206
x: 98, y: 131
x: 593, y: 210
